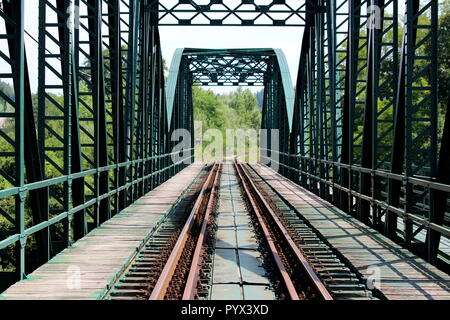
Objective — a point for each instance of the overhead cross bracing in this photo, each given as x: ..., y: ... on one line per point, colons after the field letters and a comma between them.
x: 232, y: 67
x: 230, y: 13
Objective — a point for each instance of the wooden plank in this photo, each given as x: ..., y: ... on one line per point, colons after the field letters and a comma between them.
x: 403, y: 275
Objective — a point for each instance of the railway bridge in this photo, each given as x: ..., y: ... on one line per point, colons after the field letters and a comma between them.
x: 98, y: 200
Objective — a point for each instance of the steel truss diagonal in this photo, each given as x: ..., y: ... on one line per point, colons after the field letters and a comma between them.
x: 365, y: 119
x: 98, y: 139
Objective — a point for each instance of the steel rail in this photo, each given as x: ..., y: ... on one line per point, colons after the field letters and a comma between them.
x: 164, y: 279
x: 252, y: 193
x: 190, y: 290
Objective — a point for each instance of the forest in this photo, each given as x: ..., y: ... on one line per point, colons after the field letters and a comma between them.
x: 235, y: 110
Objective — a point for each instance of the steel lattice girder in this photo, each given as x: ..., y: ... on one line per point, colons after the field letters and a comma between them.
x: 101, y: 139
x: 230, y: 67
x: 227, y: 67
x: 360, y: 131
x: 360, y: 113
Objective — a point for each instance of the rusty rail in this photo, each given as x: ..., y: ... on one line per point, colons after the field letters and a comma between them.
x: 260, y: 205
x: 190, y: 290
x: 167, y: 274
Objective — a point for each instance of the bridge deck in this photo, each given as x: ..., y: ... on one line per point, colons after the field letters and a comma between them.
x: 238, y: 271
x: 98, y: 258
x: 402, y: 274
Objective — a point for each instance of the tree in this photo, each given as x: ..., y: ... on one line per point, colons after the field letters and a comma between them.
x: 8, y: 91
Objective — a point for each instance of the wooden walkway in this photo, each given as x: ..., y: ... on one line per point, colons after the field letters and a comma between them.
x: 403, y: 276
x: 89, y: 267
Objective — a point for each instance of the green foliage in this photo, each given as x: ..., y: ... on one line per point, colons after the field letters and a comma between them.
x: 244, y: 103
x: 7, y: 90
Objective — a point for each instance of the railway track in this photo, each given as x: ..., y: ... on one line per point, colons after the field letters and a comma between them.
x: 177, y: 262
x: 181, y: 271
x: 141, y: 275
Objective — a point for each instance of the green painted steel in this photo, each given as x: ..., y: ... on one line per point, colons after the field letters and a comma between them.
x: 273, y: 13
x: 287, y: 85
x: 91, y: 152
x: 172, y: 82
x: 364, y: 133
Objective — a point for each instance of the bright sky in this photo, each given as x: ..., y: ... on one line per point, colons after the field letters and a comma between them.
x: 172, y: 37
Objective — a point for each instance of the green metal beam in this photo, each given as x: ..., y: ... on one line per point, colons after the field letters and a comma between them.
x: 95, y: 150
x: 360, y: 131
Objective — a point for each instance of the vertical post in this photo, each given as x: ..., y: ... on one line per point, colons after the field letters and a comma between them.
x: 332, y: 65
x: 116, y: 91
x: 439, y: 198
x: 368, y: 159
x: 78, y: 194
x: 398, y: 145
x: 320, y: 103
x: 64, y: 37
x: 32, y: 160
x: 131, y: 81
x: 145, y: 52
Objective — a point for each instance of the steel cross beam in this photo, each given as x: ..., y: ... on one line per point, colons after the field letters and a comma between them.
x: 228, y: 67
x: 207, y: 70
x: 361, y: 130
x: 232, y: 67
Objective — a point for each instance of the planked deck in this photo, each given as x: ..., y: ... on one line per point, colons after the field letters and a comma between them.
x: 403, y: 276
x: 85, y: 270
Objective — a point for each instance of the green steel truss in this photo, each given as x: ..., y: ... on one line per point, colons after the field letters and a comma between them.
x: 230, y: 12
x: 360, y: 130
x: 230, y: 67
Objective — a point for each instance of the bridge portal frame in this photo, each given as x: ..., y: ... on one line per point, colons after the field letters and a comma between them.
x: 346, y: 122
